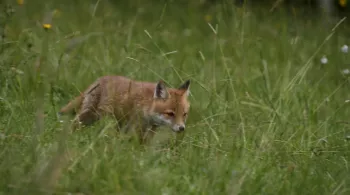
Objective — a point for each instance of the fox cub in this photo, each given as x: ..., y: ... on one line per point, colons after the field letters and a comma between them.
x: 146, y: 105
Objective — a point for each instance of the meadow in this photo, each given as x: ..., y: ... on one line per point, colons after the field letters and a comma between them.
x: 267, y: 117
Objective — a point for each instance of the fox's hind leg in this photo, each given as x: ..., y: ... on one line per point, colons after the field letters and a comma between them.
x: 88, y: 114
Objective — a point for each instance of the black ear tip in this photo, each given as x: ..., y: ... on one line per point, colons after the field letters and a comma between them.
x: 185, y: 85
x: 160, y: 83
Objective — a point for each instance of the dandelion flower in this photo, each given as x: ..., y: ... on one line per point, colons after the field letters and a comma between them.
x: 345, y: 49
x: 47, y: 21
x: 324, y: 60
x: 20, y: 2
x: 208, y: 18
x: 342, y: 3
x: 47, y: 26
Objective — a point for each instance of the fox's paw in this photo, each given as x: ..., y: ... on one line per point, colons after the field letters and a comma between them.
x: 59, y: 117
x: 76, y: 125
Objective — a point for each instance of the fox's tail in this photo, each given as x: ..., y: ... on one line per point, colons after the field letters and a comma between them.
x: 72, y: 105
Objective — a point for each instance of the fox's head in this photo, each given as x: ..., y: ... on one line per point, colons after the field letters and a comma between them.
x: 170, y: 106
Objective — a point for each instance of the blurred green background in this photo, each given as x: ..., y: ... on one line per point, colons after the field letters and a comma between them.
x: 269, y: 97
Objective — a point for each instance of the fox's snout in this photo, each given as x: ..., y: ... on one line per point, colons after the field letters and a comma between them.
x: 161, y: 120
x: 181, y: 128
x: 178, y: 128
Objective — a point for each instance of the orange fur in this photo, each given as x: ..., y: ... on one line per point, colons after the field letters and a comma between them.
x: 145, y: 104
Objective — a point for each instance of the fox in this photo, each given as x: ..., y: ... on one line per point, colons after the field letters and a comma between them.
x: 145, y: 105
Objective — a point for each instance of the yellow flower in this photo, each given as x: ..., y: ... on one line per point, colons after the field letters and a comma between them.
x: 208, y: 18
x: 20, y: 2
x: 47, y: 26
x: 342, y: 3
x: 294, y: 11
x: 47, y: 20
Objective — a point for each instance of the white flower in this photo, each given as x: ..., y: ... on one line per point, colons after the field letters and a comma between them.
x: 140, y: 10
x: 347, y: 137
x: 346, y: 71
x: 18, y: 71
x: 222, y: 41
x: 347, y: 101
x: 187, y: 32
x: 344, y: 49
x: 324, y: 60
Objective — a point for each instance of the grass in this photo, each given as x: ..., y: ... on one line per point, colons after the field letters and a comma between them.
x: 266, y: 116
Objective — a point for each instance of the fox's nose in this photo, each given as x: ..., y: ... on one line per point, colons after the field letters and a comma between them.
x: 181, y: 128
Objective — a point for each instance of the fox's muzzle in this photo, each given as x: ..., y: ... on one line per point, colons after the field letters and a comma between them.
x: 181, y: 128
x: 178, y: 128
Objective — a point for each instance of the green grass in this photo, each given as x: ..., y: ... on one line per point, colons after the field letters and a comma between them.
x: 266, y: 116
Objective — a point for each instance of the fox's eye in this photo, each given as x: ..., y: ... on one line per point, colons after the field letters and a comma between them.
x: 171, y: 114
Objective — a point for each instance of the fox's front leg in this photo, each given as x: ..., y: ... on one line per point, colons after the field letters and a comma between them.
x: 179, y: 137
x: 84, y: 118
x: 146, y: 134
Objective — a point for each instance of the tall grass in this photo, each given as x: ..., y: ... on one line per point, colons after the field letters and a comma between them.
x: 266, y: 116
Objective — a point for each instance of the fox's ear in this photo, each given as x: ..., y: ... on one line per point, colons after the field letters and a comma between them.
x: 161, y: 91
x: 186, y: 86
